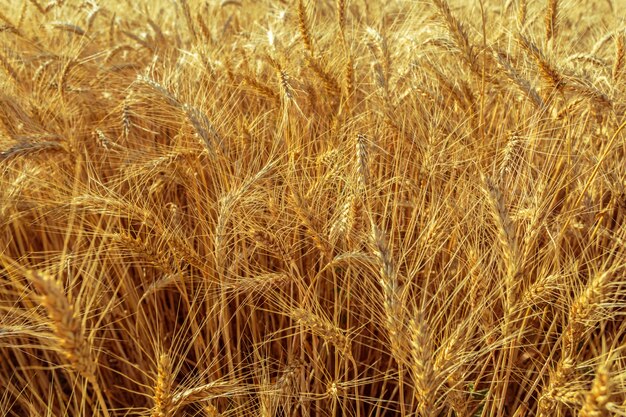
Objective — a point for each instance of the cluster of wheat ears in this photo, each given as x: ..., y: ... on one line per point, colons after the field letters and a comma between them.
x: 312, y: 208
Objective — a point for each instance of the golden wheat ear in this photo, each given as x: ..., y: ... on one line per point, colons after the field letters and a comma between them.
x: 599, y: 396
x: 619, y: 63
x: 65, y: 323
x: 67, y: 328
x: 163, y: 388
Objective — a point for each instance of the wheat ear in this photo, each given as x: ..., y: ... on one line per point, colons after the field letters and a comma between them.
x: 362, y: 160
x: 583, y: 309
x: 189, y: 19
x: 554, y: 392
x: 599, y: 396
x: 341, y: 18
x: 9, y: 68
x: 67, y: 329
x: 522, y: 12
x: 303, y: 26
x: 65, y: 323
x: 618, y: 65
x: 421, y: 366
x: 551, y: 20
x: 38, y: 6
x: 322, y: 327
x: 163, y: 388
x: 459, y: 34
x: 392, y: 301
x: 551, y: 77
x: 506, y: 235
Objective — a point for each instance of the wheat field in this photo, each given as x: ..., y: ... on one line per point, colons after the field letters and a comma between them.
x: 302, y: 208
